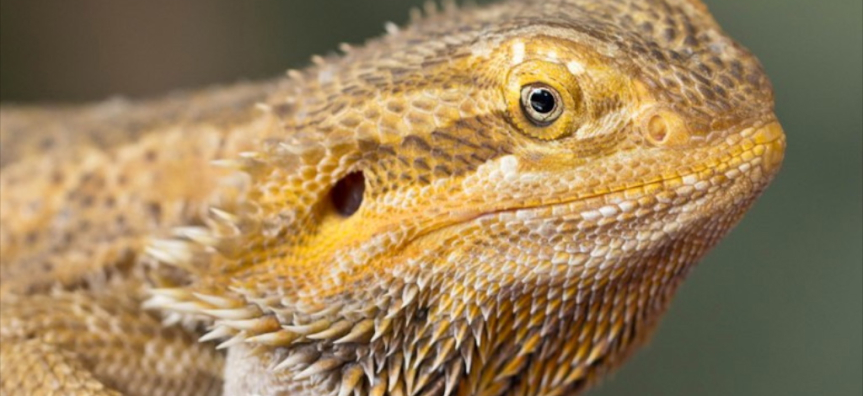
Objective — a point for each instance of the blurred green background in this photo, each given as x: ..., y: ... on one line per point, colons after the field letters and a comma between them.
x: 776, y: 309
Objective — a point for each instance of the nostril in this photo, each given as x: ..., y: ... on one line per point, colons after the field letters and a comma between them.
x: 347, y: 194
x: 657, y: 129
x: 663, y: 127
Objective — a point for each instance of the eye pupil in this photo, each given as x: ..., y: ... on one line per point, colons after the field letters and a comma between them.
x: 542, y: 101
x: 541, y: 104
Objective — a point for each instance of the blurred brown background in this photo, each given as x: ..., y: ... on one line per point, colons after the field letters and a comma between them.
x: 777, y: 309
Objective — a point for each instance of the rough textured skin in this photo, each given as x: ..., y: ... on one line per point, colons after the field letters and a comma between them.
x: 489, y: 254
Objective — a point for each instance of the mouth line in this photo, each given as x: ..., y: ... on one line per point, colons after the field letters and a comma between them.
x: 764, y: 137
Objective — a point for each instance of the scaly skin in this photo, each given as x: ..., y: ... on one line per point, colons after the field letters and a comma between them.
x: 489, y: 254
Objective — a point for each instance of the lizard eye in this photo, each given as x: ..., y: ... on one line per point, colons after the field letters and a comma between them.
x: 543, y: 100
x: 541, y: 104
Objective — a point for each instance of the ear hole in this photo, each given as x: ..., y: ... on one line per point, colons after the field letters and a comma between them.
x: 347, y: 194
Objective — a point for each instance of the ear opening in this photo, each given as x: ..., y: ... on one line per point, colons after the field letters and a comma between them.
x: 347, y: 195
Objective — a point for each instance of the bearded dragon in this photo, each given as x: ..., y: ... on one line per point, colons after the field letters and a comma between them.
x: 496, y: 200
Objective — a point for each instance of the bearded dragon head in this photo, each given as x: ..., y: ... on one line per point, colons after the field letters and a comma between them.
x: 499, y: 198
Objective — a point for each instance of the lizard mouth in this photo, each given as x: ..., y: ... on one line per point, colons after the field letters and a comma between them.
x: 760, y: 148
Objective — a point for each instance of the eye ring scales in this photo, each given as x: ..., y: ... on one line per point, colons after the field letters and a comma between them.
x: 543, y: 99
x: 541, y: 103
